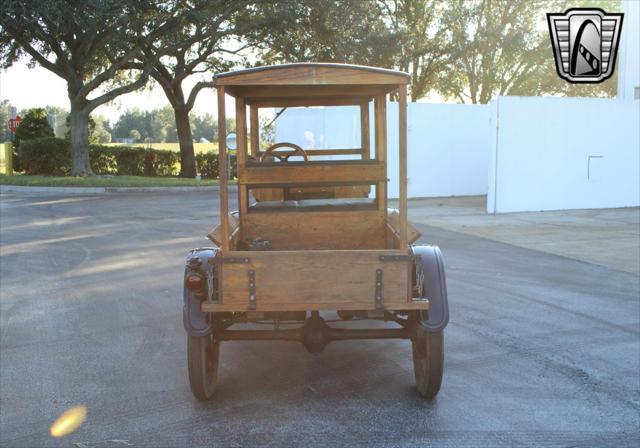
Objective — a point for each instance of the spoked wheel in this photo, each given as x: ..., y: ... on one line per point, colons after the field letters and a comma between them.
x: 428, y: 361
x: 202, y: 358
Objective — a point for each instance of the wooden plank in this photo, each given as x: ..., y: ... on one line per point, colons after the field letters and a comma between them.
x: 241, y: 130
x: 241, y: 139
x: 310, y: 306
x: 393, y: 240
x: 402, y: 145
x: 222, y: 161
x: 365, y: 131
x: 326, y: 152
x: 287, y: 174
x: 311, y: 74
x: 393, y: 219
x: 380, y: 118
x: 256, y: 92
x: 323, y: 279
x: 255, y: 131
x: 216, y: 234
x: 312, y: 192
x: 363, y: 229
x: 305, y: 101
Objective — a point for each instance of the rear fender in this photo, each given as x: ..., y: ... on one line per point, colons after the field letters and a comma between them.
x: 434, y: 287
x: 195, y: 322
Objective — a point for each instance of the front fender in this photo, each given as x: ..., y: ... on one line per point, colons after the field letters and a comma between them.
x: 195, y: 322
x: 434, y: 287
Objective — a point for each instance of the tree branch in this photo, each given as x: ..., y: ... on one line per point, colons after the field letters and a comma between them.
x: 107, y: 74
x: 112, y: 94
x: 195, y: 90
x: 55, y: 68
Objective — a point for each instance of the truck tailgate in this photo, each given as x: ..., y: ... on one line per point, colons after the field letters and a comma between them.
x: 314, y: 280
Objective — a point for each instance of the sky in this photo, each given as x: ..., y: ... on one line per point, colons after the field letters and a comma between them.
x: 26, y: 87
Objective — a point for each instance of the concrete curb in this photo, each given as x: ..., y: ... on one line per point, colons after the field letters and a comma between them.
x: 37, y: 191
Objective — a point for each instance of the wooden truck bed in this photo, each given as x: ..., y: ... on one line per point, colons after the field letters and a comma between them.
x: 315, y: 280
x: 311, y: 265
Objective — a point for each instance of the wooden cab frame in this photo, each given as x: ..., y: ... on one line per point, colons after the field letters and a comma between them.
x: 344, y: 254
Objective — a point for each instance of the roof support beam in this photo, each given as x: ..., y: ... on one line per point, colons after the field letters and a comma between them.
x: 402, y: 128
x: 223, y: 164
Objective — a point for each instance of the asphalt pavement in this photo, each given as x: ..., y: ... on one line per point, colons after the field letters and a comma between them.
x: 542, y: 349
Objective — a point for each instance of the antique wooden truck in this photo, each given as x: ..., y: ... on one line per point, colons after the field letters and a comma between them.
x: 313, y: 232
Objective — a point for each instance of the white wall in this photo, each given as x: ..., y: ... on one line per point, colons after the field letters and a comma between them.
x: 564, y: 153
x: 320, y: 128
x: 448, y: 144
x: 629, y: 51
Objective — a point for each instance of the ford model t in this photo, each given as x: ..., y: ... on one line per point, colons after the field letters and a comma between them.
x: 313, y: 233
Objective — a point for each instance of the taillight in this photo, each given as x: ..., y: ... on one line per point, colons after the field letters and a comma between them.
x: 195, y: 282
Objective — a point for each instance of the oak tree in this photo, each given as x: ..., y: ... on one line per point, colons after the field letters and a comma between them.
x: 182, y: 38
x: 88, y: 43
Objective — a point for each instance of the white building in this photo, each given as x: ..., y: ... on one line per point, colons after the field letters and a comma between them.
x: 524, y: 153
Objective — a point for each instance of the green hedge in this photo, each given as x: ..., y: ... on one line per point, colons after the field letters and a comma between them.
x: 207, y: 165
x: 133, y: 161
x: 51, y: 156
x: 46, y: 155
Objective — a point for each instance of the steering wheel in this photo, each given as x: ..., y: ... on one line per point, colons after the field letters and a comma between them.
x: 283, y: 156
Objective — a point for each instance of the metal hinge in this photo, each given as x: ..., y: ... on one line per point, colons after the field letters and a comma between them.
x: 379, y: 289
x: 252, y: 289
x: 212, y: 293
x: 229, y: 260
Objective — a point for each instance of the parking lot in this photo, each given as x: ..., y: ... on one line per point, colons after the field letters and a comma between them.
x: 543, y: 345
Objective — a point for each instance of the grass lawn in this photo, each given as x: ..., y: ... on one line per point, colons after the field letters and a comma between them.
x: 102, y: 181
x: 197, y: 147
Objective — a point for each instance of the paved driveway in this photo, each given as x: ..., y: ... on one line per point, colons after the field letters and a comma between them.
x: 542, y: 349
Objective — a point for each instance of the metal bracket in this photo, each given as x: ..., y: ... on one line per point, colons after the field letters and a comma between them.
x: 229, y: 260
x: 211, y: 287
x: 379, y: 289
x: 252, y: 289
x: 396, y: 257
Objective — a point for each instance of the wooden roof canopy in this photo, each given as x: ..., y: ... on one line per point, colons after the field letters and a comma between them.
x: 310, y: 80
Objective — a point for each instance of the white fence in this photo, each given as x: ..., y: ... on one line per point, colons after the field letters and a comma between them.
x: 564, y: 153
x: 525, y: 153
x: 448, y: 144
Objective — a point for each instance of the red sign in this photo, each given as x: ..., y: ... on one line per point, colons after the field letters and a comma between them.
x: 14, y: 123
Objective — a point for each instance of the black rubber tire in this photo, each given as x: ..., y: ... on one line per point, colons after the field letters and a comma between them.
x: 203, y: 355
x: 428, y: 361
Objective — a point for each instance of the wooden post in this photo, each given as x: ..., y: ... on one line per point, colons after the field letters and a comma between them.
x: 402, y: 128
x: 241, y: 153
x: 222, y: 164
x: 365, y: 133
x: 8, y: 159
x: 381, y: 147
x: 255, y: 131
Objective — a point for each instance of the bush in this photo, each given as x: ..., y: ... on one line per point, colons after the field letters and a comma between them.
x: 35, y: 124
x: 53, y: 156
x: 133, y: 161
x: 207, y: 163
x: 103, y: 159
x: 48, y: 155
x: 166, y: 162
x: 130, y: 161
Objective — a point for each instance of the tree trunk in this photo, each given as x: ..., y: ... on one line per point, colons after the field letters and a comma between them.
x: 185, y: 138
x: 80, y: 143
